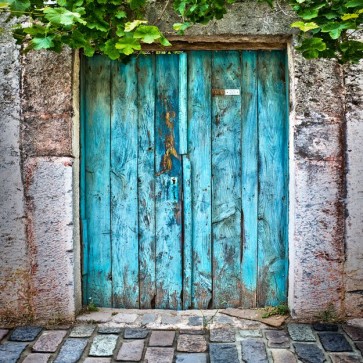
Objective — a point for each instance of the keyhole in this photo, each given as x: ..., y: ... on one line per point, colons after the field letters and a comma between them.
x: 173, y: 180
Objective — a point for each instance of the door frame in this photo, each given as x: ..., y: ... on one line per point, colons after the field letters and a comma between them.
x: 212, y: 43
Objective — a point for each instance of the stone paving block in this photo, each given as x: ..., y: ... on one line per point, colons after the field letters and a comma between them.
x: 71, y: 350
x: 223, y: 319
x: 37, y: 358
x: 49, y: 341
x: 325, y: 327
x: 97, y: 360
x: 82, y: 331
x: 10, y: 352
x: 108, y: 329
x: 191, y: 343
x: 345, y: 358
x: 131, y: 333
x: 222, y: 335
x: 159, y: 355
x: 192, y: 331
x: 355, y: 333
x: 277, y: 339
x: 131, y: 351
x: 162, y: 338
x: 125, y: 318
x: 170, y: 320
x: 191, y: 358
x: 254, y: 333
x: 223, y: 353
x: 96, y: 316
x: 335, y: 342
x: 195, y: 321
x: 309, y: 353
x: 3, y: 333
x: 148, y: 318
x: 25, y: 333
x: 103, y: 345
x: 283, y: 356
x: 301, y: 332
x: 359, y: 346
x: 253, y: 351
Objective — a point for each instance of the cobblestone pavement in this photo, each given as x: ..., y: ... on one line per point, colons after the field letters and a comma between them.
x: 169, y: 338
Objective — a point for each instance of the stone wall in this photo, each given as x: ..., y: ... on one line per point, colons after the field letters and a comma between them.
x: 353, y: 282
x: 40, y: 259
x: 14, y: 263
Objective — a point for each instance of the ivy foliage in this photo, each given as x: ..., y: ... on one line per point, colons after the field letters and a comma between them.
x: 118, y: 28
x: 328, y: 28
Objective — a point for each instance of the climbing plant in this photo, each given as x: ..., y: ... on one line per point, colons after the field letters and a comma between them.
x: 118, y: 28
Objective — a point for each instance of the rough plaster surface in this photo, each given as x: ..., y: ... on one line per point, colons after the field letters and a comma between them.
x: 317, y: 188
x: 316, y: 275
x: 13, y: 247
x: 243, y: 18
x: 50, y: 232
x: 47, y: 103
x: 354, y: 221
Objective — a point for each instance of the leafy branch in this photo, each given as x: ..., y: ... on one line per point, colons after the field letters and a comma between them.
x: 118, y: 28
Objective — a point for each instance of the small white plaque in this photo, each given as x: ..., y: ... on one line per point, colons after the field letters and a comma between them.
x: 232, y: 92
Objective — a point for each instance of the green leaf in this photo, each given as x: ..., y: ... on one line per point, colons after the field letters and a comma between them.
x: 19, y: 5
x: 165, y: 42
x: 181, y: 27
x: 350, y: 16
x: 326, y: 28
x: 136, y: 4
x: 120, y: 14
x: 110, y: 50
x: 130, y: 26
x: 128, y: 45
x: 42, y: 43
x: 354, y: 4
x: 62, y: 16
x: 311, y: 54
x: 335, y: 34
x: 89, y: 51
x: 120, y: 32
x: 304, y: 26
x: 147, y: 33
x: 308, y: 14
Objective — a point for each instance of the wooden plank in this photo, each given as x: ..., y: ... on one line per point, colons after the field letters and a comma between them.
x: 199, y: 138
x: 124, y: 199
x: 187, y: 233
x: 183, y: 95
x: 146, y: 180
x: 249, y: 178
x: 97, y: 167
x: 168, y: 185
x: 226, y: 171
x: 273, y: 178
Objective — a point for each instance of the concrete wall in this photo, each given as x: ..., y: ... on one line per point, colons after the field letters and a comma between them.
x: 39, y: 153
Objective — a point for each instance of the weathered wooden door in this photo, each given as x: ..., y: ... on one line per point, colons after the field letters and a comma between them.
x: 185, y: 180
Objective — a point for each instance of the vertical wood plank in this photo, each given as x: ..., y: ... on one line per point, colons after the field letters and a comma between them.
x: 183, y: 95
x: 273, y: 178
x: 146, y: 180
x: 226, y: 171
x: 199, y: 139
x: 187, y: 233
x: 124, y: 200
x: 97, y: 178
x: 168, y: 185
x: 249, y: 178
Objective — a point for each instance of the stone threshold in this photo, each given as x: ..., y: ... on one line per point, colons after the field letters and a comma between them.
x: 158, y: 319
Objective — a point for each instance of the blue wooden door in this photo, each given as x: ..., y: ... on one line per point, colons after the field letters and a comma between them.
x: 184, y: 181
